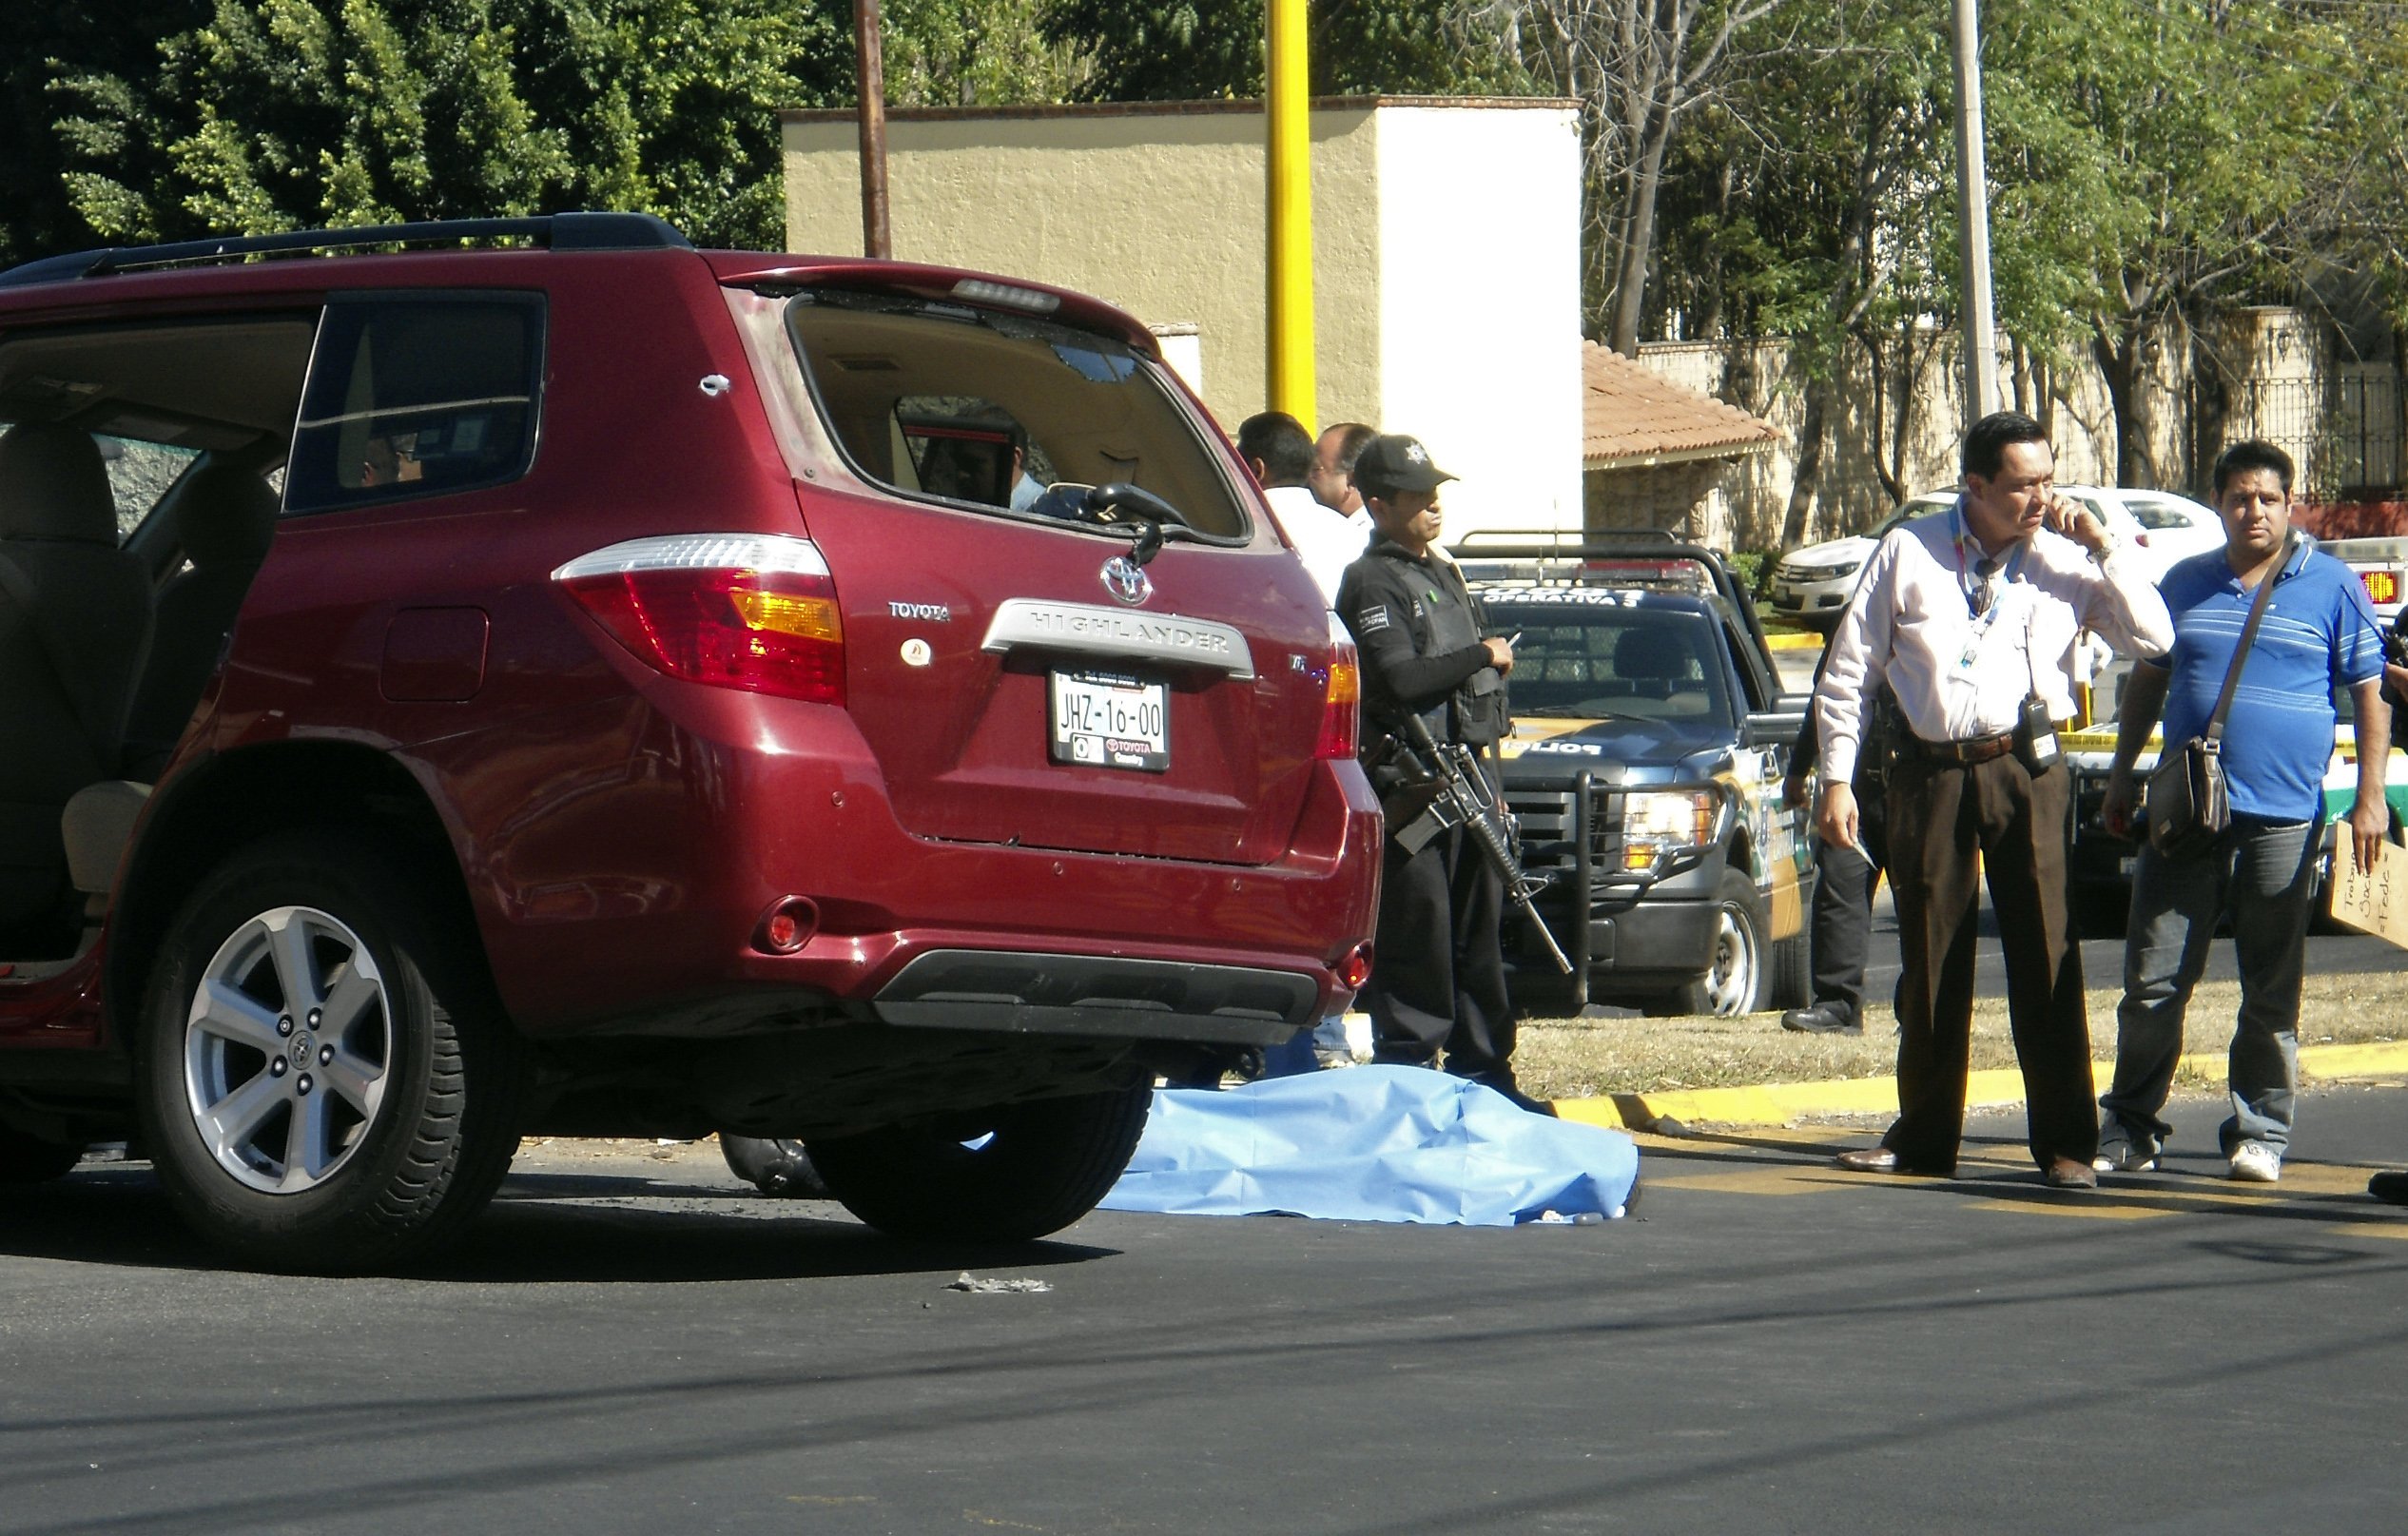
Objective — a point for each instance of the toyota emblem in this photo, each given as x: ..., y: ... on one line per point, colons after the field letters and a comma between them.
x: 1126, y: 581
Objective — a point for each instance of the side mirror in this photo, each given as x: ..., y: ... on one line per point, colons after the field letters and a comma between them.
x: 1771, y: 727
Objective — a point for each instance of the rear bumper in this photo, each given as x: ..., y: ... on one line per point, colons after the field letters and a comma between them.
x: 1018, y: 992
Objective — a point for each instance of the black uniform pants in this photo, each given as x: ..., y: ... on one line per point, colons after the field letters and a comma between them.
x: 1949, y: 825
x: 1437, y: 963
x: 1844, y: 886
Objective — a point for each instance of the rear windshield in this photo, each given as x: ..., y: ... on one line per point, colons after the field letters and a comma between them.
x: 1004, y: 415
x: 1605, y: 663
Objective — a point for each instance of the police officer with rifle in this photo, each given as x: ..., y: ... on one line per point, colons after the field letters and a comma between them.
x: 1438, y: 970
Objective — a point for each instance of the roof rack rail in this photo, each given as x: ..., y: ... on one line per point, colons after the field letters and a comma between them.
x: 559, y: 231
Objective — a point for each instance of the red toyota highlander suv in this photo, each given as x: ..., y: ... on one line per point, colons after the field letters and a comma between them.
x: 564, y: 682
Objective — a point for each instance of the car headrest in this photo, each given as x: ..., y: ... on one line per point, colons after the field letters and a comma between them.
x: 1651, y: 655
x: 225, y: 516
x: 53, y: 486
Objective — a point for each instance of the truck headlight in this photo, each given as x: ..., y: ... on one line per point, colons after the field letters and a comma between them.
x: 1657, y: 824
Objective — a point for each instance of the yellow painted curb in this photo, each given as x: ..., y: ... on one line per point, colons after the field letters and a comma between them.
x: 1793, y: 639
x: 1777, y: 1104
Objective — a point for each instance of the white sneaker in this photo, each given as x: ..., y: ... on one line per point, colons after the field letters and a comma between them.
x: 2119, y: 1154
x: 2254, y: 1162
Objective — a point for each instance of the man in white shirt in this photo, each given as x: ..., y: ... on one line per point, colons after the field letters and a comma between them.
x: 1280, y: 452
x: 1971, y: 618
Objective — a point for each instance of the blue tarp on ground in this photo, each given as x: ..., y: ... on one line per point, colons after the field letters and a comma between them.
x: 1371, y: 1144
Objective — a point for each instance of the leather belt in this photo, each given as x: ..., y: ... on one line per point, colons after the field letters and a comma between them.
x: 1979, y: 750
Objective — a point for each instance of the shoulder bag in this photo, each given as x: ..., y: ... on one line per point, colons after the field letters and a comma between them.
x: 2187, y: 805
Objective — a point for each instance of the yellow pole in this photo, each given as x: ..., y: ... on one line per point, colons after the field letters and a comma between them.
x: 1290, y: 363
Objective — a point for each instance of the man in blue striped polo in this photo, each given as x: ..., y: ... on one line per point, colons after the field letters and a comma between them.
x: 2319, y: 632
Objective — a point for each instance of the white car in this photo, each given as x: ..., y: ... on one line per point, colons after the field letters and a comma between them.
x: 1810, y: 587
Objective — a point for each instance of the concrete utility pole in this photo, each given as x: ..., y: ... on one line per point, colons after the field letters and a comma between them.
x: 1289, y: 360
x: 1972, y: 223
x: 878, y: 241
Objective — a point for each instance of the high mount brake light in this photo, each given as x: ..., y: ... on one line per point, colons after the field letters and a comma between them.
x: 1341, y: 697
x: 756, y: 611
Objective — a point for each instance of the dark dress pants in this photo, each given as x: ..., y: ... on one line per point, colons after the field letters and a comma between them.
x: 1947, y: 825
x: 1844, y: 884
x: 1437, y: 965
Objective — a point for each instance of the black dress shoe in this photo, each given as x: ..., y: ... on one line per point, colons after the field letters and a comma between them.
x: 1504, y: 1083
x: 2391, y: 1189
x: 1822, y: 1019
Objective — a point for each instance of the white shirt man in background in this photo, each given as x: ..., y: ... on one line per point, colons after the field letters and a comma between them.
x: 1280, y: 452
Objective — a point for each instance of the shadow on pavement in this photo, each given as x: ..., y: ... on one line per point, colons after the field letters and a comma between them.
x: 540, y: 1229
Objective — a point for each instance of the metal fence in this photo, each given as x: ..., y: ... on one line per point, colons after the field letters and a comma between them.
x: 2344, y: 430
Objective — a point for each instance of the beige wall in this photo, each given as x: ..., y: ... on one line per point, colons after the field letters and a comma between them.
x: 1161, y: 214
x: 1445, y: 255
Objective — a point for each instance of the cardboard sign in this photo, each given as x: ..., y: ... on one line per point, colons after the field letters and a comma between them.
x: 2375, y: 902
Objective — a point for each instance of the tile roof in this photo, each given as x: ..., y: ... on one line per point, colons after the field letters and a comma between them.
x: 1629, y: 412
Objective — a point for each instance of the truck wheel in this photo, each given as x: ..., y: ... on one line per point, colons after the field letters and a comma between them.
x: 1734, y: 978
x: 1005, y: 1175
x: 773, y: 1167
x: 325, y: 1080
x: 1793, y: 971
x: 27, y: 1160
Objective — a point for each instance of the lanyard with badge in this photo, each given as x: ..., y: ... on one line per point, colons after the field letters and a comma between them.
x: 1980, y: 590
x: 2035, y: 733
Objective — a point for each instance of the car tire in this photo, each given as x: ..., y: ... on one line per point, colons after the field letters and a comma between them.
x: 25, y: 1160
x: 1006, y: 1175
x: 773, y: 1166
x: 1736, y: 977
x: 361, y: 1128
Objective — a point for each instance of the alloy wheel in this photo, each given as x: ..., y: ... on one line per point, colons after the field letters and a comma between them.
x: 287, y: 1049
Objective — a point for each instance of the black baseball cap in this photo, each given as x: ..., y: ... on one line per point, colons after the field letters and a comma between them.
x: 1393, y: 461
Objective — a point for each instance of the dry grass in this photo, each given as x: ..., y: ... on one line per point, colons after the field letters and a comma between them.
x: 1575, y: 1059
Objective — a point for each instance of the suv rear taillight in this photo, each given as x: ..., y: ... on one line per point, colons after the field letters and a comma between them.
x: 1341, y: 697
x: 749, y: 611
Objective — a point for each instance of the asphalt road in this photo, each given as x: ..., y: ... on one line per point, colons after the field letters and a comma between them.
x: 634, y: 1345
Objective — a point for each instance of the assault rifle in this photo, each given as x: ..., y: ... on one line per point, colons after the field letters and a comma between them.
x: 1461, y: 798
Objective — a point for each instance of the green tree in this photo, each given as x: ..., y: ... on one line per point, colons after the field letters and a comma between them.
x: 1195, y: 49
x: 283, y: 114
x: 980, y: 53
x: 1808, y: 202
x: 2156, y: 166
x: 38, y: 43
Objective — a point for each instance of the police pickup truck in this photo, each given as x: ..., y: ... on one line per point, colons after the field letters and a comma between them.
x: 1650, y: 738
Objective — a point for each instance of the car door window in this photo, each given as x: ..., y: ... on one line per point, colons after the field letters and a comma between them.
x: 415, y: 394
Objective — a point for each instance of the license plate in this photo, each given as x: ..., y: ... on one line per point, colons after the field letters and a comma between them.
x: 1111, y: 720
